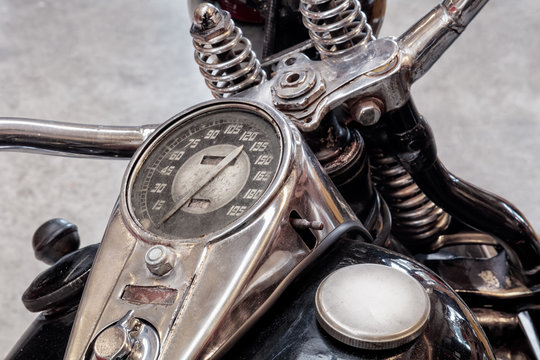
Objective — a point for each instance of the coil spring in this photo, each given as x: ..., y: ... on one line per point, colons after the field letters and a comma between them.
x: 225, y: 59
x: 336, y: 25
x: 416, y: 219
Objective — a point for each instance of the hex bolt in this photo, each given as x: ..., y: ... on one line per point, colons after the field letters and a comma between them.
x: 160, y: 260
x: 367, y: 112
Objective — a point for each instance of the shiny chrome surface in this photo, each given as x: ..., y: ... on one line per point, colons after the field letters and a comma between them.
x: 70, y: 139
x: 530, y: 332
x: 114, y: 342
x: 464, y: 238
x: 367, y: 112
x: 129, y: 338
x: 424, y: 43
x: 383, y: 68
x: 372, y: 306
x: 160, y: 260
x: 226, y: 281
x: 223, y: 54
x: 345, y: 77
x: 335, y: 26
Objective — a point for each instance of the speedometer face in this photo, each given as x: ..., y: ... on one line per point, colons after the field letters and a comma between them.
x: 204, y: 173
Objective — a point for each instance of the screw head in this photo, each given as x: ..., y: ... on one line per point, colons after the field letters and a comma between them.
x: 160, y: 260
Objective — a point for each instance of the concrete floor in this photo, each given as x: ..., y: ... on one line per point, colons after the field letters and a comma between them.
x: 130, y: 62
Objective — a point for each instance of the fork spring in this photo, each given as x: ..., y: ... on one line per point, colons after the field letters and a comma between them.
x: 416, y: 219
x: 336, y: 26
x: 226, y: 60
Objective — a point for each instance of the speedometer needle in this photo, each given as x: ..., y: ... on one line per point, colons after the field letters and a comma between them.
x: 205, y: 180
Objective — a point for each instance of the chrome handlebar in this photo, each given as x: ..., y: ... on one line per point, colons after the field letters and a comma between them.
x: 70, y: 139
x: 425, y: 42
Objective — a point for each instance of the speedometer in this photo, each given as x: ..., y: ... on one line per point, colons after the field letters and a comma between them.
x: 205, y: 171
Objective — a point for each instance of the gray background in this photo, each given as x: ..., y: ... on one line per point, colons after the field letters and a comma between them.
x: 130, y: 62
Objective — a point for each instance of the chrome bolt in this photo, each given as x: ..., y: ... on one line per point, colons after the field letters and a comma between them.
x: 207, y: 16
x: 209, y: 23
x: 160, y: 260
x: 367, y: 112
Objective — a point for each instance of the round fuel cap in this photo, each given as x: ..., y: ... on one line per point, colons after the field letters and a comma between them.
x: 371, y: 306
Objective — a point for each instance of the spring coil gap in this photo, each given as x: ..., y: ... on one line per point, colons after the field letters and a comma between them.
x: 336, y: 25
x: 225, y: 57
x: 416, y: 219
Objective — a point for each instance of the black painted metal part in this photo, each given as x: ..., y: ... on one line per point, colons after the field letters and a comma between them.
x: 405, y: 134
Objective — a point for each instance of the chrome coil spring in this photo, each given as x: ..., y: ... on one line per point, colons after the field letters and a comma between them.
x: 335, y: 25
x: 416, y: 219
x: 224, y: 55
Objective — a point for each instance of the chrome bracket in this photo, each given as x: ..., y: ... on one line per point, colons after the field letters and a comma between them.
x: 306, y: 90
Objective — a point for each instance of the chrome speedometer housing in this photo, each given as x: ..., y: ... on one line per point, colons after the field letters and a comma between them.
x: 188, y: 146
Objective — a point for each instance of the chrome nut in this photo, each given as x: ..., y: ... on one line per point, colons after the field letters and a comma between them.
x: 160, y: 260
x: 209, y: 22
x: 296, y: 90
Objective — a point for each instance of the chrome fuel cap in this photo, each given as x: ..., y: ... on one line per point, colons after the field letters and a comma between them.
x: 372, y: 306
